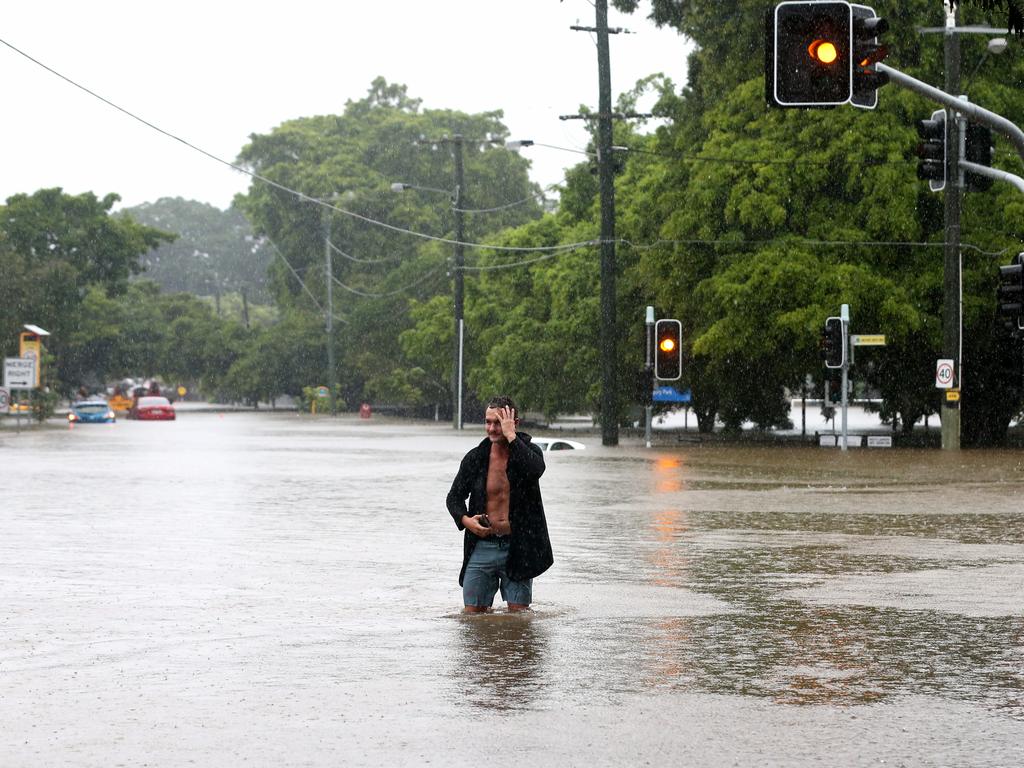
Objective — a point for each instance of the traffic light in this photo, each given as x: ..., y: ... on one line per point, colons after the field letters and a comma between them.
x: 1010, y: 293
x: 807, y: 52
x: 668, y: 349
x: 978, y: 149
x: 833, y: 343
x: 867, y: 51
x: 932, y: 150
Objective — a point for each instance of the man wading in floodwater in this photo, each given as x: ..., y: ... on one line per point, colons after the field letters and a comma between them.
x: 506, y: 542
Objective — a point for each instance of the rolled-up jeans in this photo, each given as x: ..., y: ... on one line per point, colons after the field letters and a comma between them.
x: 486, y: 573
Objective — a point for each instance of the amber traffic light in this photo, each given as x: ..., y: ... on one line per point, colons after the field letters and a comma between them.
x: 808, y: 54
x: 668, y: 343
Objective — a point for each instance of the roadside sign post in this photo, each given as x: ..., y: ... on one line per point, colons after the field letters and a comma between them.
x: 19, y: 373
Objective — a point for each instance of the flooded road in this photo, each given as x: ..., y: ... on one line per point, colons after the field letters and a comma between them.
x: 273, y: 590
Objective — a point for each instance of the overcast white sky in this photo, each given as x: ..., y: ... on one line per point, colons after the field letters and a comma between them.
x: 214, y: 72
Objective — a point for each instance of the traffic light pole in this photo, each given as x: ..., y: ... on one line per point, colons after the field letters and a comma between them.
x: 844, y: 314
x: 992, y: 173
x: 951, y: 321
x: 648, y: 366
x: 973, y: 112
x: 951, y: 262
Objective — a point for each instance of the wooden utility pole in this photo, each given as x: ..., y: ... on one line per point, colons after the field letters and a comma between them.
x: 606, y: 182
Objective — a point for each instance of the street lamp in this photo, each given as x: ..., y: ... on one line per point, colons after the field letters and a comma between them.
x: 401, y: 186
x: 996, y: 45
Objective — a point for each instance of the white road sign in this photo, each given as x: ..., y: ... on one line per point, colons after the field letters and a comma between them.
x: 944, y: 374
x: 19, y: 373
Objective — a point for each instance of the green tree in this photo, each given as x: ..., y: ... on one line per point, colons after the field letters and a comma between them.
x: 354, y: 158
x: 215, y: 251
x: 53, y: 248
x: 768, y: 220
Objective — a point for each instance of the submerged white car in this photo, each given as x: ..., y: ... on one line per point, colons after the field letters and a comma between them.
x: 557, y: 444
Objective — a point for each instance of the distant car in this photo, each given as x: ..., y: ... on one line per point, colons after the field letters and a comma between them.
x: 557, y: 444
x: 91, y: 412
x: 152, y: 408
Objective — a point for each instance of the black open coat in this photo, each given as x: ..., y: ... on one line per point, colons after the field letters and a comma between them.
x: 529, y: 551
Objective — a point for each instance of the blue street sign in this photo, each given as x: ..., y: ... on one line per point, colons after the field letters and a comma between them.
x: 670, y: 395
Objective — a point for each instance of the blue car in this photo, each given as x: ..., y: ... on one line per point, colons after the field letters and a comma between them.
x: 91, y: 412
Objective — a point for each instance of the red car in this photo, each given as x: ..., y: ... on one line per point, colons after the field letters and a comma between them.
x: 152, y: 408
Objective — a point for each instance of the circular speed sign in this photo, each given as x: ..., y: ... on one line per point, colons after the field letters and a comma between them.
x: 5, y: 400
x: 944, y: 374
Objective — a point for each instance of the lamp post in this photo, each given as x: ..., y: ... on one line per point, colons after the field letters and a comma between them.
x: 325, y: 223
x: 457, y: 275
x: 325, y: 226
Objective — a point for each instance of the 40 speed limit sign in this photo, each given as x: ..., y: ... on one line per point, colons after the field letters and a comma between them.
x: 944, y: 374
x: 5, y: 400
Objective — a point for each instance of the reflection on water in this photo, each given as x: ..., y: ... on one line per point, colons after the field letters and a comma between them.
x: 843, y: 656
x: 500, y: 659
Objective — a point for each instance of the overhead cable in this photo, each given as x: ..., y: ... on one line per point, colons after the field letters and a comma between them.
x: 302, y: 282
x: 259, y: 177
x: 423, y: 279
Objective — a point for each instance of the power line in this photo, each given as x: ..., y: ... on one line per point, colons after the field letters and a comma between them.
x: 744, y: 243
x: 534, y: 196
x: 811, y: 241
x: 386, y: 259
x: 256, y: 176
x: 356, y: 292
x: 301, y: 281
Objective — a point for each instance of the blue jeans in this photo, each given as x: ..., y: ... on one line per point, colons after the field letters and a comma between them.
x: 485, y: 573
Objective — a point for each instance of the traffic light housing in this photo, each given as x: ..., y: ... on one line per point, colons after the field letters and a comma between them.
x: 808, y: 54
x: 867, y: 51
x: 668, y: 350
x: 1010, y: 293
x: 932, y: 150
x: 978, y: 149
x: 833, y: 343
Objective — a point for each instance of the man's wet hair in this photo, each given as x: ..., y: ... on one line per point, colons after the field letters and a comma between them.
x: 503, y: 401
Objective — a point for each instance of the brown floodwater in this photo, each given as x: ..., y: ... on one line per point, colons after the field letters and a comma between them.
x: 271, y: 589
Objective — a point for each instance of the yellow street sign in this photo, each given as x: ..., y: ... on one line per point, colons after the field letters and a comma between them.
x: 866, y: 340
x: 952, y: 395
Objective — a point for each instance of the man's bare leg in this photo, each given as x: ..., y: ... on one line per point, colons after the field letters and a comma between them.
x: 517, y: 607
x: 475, y: 609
